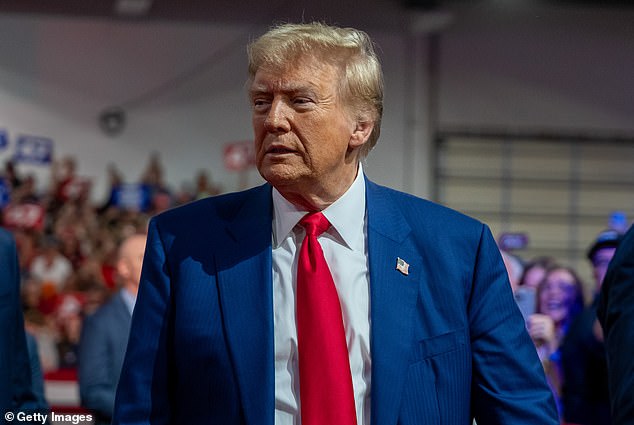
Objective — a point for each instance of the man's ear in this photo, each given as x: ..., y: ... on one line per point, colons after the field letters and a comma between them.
x: 361, y: 133
x: 123, y: 268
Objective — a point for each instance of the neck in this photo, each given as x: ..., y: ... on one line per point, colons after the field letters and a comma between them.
x: 318, y: 195
x: 131, y: 288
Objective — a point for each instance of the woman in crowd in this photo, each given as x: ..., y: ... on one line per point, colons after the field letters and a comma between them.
x: 559, y: 300
x: 534, y: 271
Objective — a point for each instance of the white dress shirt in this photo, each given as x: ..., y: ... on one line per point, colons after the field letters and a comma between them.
x: 345, y: 249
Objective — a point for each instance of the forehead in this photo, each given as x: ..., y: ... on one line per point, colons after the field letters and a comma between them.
x: 303, y: 73
x: 560, y: 275
x: 133, y: 245
x: 603, y: 253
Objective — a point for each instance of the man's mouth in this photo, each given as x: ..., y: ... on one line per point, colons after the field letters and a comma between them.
x: 554, y: 305
x: 279, y: 150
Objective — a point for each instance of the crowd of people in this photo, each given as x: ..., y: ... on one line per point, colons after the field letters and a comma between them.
x: 68, y: 246
x: 565, y: 329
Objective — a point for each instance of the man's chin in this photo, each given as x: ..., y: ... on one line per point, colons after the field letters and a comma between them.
x: 280, y: 175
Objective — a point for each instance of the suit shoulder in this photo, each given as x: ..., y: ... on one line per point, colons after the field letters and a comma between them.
x: 221, y: 207
x: 224, y: 204
x: 6, y: 239
x: 420, y: 209
x: 5, y: 236
x: 107, y: 310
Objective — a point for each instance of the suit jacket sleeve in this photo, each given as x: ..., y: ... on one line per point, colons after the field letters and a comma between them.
x: 616, y: 313
x: 96, y: 386
x: 509, y: 386
x: 142, y: 393
x: 22, y: 396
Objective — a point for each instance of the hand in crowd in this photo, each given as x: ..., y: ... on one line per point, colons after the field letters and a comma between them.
x: 541, y: 328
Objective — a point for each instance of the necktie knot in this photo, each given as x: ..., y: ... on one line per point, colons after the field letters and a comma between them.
x: 314, y: 223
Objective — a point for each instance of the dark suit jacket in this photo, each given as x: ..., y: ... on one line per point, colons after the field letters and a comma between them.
x: 16, y: 391
x: 584, y: 396
x: 616, y: 313
x: 447, y: 340
x: 102, y: 345
x: 37, y: 377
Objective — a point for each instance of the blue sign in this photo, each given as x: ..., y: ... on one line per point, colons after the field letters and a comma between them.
x: 4, y: 139
x: 34, y: 150
x: 132, y: 196
x: 512, y: 241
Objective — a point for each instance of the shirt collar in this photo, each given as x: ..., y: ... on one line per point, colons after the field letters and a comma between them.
x: 128, y: 299
x: 346, y: 214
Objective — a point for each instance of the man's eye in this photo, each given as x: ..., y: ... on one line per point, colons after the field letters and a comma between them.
x: 260, y: 104
x: 302, y: 101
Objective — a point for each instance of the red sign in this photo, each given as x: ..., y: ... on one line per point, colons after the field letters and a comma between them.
x: 25, y: 216
x: 238, y: 156
x: 75, y: 187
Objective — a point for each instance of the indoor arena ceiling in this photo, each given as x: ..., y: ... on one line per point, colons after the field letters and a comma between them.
x: 368, y: 13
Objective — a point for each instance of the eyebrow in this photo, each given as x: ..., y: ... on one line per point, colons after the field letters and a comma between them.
x: 262, y: 89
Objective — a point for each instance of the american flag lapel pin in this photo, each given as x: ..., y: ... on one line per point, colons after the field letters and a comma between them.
x: 402, y: 266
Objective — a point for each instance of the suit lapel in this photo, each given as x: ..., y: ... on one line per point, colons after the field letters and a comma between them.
x: 245, y: 284
x: 121, y: 316
x: 122, y: 309
x: 393, y: 297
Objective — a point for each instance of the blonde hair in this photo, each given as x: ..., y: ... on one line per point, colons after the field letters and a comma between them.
x: 351, y: 50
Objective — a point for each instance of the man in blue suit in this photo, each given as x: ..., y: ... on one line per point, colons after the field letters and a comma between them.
x: 17, y: 395
x: 616, y: 313
x: 429, y: 322
x: 104, y: 335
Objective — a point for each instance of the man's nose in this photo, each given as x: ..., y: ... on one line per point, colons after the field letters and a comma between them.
x: 277, y: 120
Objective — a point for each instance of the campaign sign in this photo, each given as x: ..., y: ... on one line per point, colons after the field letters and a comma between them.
x: 4, y: 193
x: 512, y: 241
x: 132, y: 196
x: 25, y: 216
x: 239, y: 156
x: 75, y: 188
x: 4, y: 139
x: 34, y: 150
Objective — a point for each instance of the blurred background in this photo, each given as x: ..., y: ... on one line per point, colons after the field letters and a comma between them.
x: 518, y: 112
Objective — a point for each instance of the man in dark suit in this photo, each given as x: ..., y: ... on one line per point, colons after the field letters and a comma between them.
x: 616, y: 313
x: 16, y: 388
x: 105, y: 334
x: 235, y: 314
x: 585, y: 393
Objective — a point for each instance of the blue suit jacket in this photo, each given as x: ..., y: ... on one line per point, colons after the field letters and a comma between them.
x: 102, y: 348
x: 16, y: 390
x: 447, y: 340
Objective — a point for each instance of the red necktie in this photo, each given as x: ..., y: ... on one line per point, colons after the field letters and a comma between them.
x: 325, y: 381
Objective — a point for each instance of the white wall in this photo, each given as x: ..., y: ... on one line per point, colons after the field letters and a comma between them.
x: 58, y: 75
x: 563, y: 69
x: 568, y: 70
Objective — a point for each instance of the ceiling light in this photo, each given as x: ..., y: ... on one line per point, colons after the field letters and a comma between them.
x: 132, y: 8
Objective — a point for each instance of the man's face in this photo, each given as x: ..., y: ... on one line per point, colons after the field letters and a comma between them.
x: 303, y: 130
x: 131, y: 260
x: 600, y: 262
